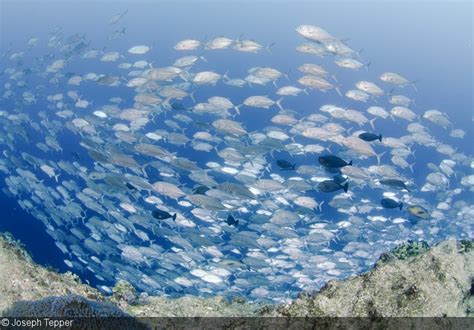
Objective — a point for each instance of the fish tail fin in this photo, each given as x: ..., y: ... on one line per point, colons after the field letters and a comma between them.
x: 174, y: 216
x: 338, y: 91
x: 237, y: 108
x: 123, y: 30
x: 380, y: 137
x: 411, y: 168
x: 56, y: 177
x: 346, y: 187
x: 367, y: 66
x: 287, y: 74
x: 350, y: 163
x: 274, y: 84
x: 182, y: 76
x: 305, y: 91
x: 390, y: 92
x: 225, y: 75
x: 334, y: 77
x: 379, y: 156
x: 320, y: 206
x: 413, y: 84
x: 293, y: 166
x: 278, y: 103
x: 372, y: 122
x: 401, y: 205
x: 191, y: 95
x: 269, y: 47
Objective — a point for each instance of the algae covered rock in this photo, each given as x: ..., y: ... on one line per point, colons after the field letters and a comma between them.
x: 405, y: 251
x: 466, y: 245
x: 124, y: 293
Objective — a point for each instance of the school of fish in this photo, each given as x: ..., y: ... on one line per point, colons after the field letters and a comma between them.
x: 139, y: 175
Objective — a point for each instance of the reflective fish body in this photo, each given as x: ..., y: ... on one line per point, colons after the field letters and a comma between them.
x: 394, y: 79
x: 188, y: 44
x: 316, y: 82
x: 139, y: 50
x: 314, y: 33
x: 219, y: 43
x: 370, y: 88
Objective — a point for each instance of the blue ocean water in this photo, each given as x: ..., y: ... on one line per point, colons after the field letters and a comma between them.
x: 429, y: 42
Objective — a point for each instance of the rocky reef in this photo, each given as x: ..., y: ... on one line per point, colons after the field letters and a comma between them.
x: 21, y: 279
x: 412, y: 280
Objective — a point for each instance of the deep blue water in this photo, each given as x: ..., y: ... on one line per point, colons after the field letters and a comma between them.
x: 430, y: 42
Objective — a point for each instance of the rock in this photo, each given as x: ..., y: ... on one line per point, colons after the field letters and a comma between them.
x: 63, y: 306
x: 190, y: 306
x: 412, y: 282
x: 22, y: 279
x: 93, y: 314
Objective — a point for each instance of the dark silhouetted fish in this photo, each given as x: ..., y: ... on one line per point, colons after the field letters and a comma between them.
x: 162, y: 215
x: 200, y: 190
x: 389, y: 203
x: 331, y: 161
x: 285, y: 165
x: 330, y: 186
x: 370, y: 137
x: 231, y: 221
x: 395, y: 183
